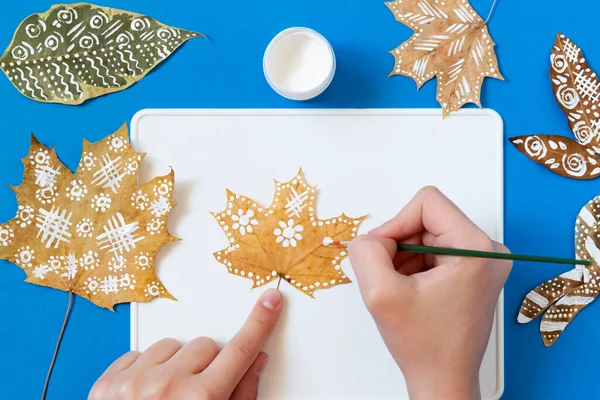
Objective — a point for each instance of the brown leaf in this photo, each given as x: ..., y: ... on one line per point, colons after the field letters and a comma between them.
x: 93, y: 232
x: 285, y: 240
x: 559, y: 154
x: 567, y: 294
x: 452, y: 43
x: 577, y: 91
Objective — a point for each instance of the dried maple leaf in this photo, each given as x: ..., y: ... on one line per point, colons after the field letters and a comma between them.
x: 285, y: 240
x: 93, y: 233
x: 72, y: 53
x: 567, y: 294
x: 452, y: 43
x: 577, y: 91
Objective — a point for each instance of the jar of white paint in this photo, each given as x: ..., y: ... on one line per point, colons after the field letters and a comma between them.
x: 299, y: 63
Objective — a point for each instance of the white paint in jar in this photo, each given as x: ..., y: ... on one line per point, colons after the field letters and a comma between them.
x: 299, y: 63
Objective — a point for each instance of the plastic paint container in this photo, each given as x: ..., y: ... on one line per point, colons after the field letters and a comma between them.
x: 299, y: 63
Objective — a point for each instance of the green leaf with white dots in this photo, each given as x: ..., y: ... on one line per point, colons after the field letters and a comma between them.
x: 73, y: 53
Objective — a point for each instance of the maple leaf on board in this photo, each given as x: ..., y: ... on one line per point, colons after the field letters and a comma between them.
x: 567, y: 294
x: 451, y: 42
x: 577, y: 91
x: 94, y: 232
x: 286, y: 240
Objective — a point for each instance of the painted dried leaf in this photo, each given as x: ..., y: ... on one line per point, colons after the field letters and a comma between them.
x: 72, y: 53
x: 559, y: 154
x: 566, y: 295
x: 286, y: 240
x: 93, y: 232
x: 451, y: 42
x: 577, y: 91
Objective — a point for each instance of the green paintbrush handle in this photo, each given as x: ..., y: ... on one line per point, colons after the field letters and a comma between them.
x: 409, y: 248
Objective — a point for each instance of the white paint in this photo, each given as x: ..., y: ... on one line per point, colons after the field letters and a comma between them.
x: 591, y: 247
x: 296, y: 202
x: 587, y: 217
x: 537, y: 299
x: 523, y: 319
x: 53, y: 226
x: 327, y: 241
x: 119, y: 235
x: 299, y: 63
x: 326, y: 348
x: 575, y: 301
x: 580, y: 274
x: 547, y: 326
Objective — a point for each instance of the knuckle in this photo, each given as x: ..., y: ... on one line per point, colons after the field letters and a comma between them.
x: 505, y: 265
x: 378, y: 301
x: 100, y: 390
x: 484, y: 243
x: 429, y: 191
x: 245, y: 349
x: 261, y: 319
x: 204, y: 345
x: 158, y: 387
x: 168, y: 343
x: 151, y: 385
x: 127, y: 388
x: 204, y: 393
x: 499, y: 247
x: 475, y: 239
x: 204, y: 341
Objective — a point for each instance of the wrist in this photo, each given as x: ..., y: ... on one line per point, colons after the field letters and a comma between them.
x: 431, y: 387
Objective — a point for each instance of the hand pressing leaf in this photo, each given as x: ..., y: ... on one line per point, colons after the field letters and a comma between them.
x: 286, y: 240
x: 567, y: 294
x: 72, y: 53
x: 94, y: 232
x: 452, y: 43
x: 577, y: 91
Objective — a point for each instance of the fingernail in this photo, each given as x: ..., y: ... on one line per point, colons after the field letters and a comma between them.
x: 261, y: 366
x: 271, y: 299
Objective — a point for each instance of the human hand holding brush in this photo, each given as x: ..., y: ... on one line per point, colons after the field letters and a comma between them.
x: 434, y: 312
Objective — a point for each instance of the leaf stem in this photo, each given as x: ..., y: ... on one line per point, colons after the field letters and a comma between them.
x: 491, y: 11
x: 279, y: 281
x: 60, y: 336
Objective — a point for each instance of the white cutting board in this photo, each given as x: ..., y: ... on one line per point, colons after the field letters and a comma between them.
x: 364, y: 162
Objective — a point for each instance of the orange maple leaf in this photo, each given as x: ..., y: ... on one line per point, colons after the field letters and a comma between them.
x: 285, y: 240
x: 94, y: 232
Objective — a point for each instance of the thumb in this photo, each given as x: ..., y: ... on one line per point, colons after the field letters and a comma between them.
x: 381, y: 286
x: 247, y: 389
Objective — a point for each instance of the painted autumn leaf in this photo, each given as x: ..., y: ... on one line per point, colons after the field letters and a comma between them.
x: 94, y: 232
x: 567, y: 294
x: 577, y: 91
x: 72, y: 53
x: 286, y: 240
x: 451, y: 42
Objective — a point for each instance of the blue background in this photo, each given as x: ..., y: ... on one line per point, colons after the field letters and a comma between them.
x: 226, y: 71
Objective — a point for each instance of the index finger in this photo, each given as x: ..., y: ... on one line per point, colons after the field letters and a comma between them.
x: 228, y: 368
x: 429, y: 211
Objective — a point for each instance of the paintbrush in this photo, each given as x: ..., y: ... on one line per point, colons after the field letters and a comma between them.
x: 447, y: 251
